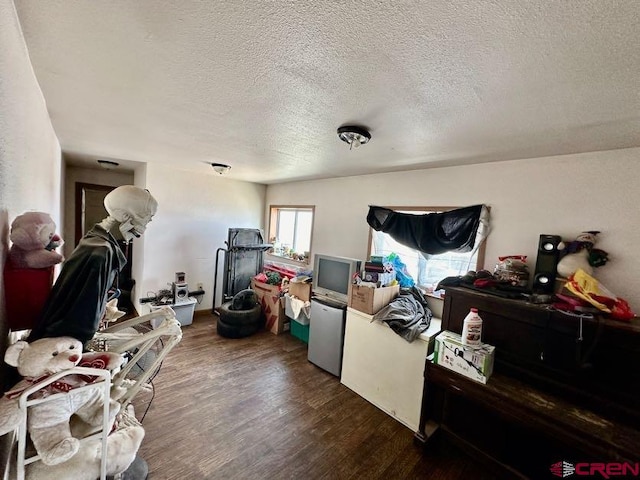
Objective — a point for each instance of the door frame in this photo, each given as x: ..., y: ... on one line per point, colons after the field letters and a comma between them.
x: 80, y: 188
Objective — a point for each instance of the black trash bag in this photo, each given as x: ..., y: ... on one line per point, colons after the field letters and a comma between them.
x: 244, y: 300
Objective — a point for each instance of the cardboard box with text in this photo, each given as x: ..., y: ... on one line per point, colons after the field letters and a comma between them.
x: 371, y: 300
x: 475, y: 362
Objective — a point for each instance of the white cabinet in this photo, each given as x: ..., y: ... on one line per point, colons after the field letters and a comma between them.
x: 384, y: 368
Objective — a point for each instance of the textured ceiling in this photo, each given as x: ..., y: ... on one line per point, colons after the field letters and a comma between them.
x: 263, y: 86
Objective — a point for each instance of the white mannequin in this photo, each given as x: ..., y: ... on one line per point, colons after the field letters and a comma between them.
x: 78, y: 299
x: 130, y: 210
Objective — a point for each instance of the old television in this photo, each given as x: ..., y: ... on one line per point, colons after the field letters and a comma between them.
x: 332, y: 276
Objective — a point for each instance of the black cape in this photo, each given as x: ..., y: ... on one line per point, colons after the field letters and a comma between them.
x: 432, y: 233
x: 78, y: 299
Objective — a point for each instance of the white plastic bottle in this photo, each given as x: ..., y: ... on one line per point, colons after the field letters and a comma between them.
x: 472, y: 328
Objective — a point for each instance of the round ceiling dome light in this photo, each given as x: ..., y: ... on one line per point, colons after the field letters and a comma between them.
x: 220, y: 168
x: 108, y: 164
x: 353, y: 135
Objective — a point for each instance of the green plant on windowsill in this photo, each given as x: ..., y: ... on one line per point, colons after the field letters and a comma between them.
x: 290, y: 255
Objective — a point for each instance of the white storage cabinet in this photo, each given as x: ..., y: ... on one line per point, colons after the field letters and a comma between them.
x: 384, y: 368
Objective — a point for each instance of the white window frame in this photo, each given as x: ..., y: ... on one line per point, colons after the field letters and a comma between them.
x: 478, y: 252
x: 274, y: 215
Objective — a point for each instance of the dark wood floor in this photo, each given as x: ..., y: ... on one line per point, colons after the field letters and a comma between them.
x: 255, y: 408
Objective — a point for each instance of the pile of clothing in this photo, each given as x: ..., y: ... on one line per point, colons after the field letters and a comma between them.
x: 408, y: 315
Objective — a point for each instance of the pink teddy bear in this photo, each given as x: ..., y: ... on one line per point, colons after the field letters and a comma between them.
x: 34, y: 240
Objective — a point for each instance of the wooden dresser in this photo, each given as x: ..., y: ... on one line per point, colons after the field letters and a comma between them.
x: 564, y: 389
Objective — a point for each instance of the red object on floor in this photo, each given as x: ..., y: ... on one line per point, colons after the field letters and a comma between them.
x: 26, y: 291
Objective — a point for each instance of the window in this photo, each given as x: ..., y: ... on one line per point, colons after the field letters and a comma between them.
x: 290, y: 230
x: 427, y: 270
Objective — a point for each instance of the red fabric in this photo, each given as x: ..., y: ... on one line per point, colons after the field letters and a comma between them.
x: 66, y: 384
x: 26, y: 291
x: 285, y: 272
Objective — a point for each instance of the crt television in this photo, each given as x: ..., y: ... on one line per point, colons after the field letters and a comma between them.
x: 332, y: 276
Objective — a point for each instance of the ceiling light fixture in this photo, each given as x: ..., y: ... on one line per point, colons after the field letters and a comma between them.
x: 221, y: 168
x: 108, y: 164
x: 354, y: 136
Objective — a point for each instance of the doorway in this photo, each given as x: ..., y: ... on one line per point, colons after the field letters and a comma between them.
x: 89, y: 207
x: 89, y: 210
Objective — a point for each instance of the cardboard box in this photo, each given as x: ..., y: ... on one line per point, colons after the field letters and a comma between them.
x: 475, y: 362
x: 371, y: 300
x: 300, y: 290
x: 272, y: 306
x: 381, y: 279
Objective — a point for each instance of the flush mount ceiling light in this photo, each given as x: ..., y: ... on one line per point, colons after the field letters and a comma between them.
x: 354, y: 136
x: 220, y: 168
x: 108, y: 164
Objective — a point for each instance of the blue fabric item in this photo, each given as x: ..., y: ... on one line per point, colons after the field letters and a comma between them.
x: 402, y: 275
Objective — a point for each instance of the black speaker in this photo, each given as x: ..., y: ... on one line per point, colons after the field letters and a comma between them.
x: 546, y: 263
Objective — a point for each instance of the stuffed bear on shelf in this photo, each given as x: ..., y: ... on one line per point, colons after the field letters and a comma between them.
x: 48, y: 422
x: 34, y: 239
x: 581, y: 254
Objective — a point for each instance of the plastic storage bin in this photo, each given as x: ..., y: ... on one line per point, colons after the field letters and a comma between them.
x: 184, y: 312
x: 302, y: 318
x: 300, y: 331
x: 300, y: 325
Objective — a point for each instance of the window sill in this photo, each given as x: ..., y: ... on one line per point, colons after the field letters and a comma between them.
x: 435, y: 303
x: 434, y: 295
x: 287, y: 259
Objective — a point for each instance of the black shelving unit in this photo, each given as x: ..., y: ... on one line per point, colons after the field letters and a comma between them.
x: 243, y: 260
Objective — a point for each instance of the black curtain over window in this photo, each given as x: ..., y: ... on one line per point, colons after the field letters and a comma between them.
x: 432, y: 233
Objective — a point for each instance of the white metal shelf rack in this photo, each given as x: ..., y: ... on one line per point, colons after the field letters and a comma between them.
x: 102, y: 382
x: 119, y: 338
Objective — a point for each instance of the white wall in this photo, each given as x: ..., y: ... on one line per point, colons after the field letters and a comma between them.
x: 194, y: 214
x: 561, y: 195
x: 30, y: 165
x: 30, y: 160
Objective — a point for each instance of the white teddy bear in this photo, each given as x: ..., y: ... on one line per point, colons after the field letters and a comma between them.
x: 122, y: 446
x: 48, y: 422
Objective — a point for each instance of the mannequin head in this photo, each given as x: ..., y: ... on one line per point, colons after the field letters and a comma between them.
x: 131, y: 209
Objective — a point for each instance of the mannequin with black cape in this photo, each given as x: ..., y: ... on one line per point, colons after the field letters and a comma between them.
x: 78, y: 299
